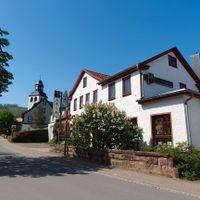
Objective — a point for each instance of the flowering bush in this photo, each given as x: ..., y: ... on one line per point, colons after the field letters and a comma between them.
x: 186, y: 157
x: 103, y: 126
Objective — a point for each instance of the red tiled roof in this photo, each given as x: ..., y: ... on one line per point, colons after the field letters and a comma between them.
x: 19, y: 119
x: 95, y: 75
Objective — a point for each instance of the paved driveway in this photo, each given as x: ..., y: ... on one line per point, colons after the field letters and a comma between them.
x: 49, y: 178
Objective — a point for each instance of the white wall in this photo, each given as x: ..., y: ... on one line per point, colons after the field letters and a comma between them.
x: 161, y: 69
x: 127, y: 103
x: 92, y: 84
x: 194, y: 116
x: 173, y: 105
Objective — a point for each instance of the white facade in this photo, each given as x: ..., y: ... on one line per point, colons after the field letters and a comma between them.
x: 183, y: 118
x: 92, y: 85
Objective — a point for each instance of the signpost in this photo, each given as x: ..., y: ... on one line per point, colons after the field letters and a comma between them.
x: 57, y: 110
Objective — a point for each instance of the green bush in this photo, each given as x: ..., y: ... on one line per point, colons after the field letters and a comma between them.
x: 186, y: 158
x: 103, y: 126
x: 30, y: 136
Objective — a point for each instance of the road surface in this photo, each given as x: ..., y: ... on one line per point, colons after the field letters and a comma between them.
x: 40, y: 178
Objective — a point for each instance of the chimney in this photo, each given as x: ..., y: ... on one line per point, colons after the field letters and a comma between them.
x: 195, y: 63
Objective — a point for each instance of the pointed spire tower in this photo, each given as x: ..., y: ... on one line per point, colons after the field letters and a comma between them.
x: 37, y: 95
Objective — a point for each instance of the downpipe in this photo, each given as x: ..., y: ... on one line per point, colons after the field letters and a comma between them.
x: 187, y: 118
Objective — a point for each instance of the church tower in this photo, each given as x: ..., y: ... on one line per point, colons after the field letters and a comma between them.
x: 37, y: 95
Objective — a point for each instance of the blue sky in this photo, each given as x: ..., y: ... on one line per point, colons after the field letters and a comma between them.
x: 57, y: 38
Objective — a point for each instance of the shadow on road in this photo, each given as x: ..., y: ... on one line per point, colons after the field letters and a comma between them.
x: 12, y: 165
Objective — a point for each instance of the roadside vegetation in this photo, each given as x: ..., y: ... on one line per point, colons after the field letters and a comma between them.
x: 6, y: 120
x: 29, y: 136
x: 103, y: 126
x: 186, y: 158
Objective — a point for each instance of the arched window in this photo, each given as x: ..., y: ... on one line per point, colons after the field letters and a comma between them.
x: 31, y: 99
x: 35, y: 99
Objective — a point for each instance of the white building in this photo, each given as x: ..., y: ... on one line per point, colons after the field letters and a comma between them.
x: 37, y: 100
x: 161, y: 94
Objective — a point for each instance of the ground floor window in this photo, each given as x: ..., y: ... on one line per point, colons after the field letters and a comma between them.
x: 161, y: 129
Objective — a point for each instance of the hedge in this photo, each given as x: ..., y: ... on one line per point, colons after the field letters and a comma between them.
x: 30, y: 136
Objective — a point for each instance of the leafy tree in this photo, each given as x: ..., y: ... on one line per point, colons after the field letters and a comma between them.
x: 5, y: 76
x: 6, y: 120
x: 65, y: 101
x: 103, y: 126
x: 38, y: 121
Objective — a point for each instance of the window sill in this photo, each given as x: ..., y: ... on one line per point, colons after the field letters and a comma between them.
x: 125, y: 95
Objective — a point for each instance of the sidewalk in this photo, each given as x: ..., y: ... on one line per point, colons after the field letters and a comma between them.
x: 174, y: 185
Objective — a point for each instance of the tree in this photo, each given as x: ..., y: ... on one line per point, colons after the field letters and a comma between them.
x: 103, y: 126
x: 38, y: 121
x: 65, y: 101
x: 6, y: 120
x: 5, y: 76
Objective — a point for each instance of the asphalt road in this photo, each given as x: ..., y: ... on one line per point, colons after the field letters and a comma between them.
x: 30, y: 178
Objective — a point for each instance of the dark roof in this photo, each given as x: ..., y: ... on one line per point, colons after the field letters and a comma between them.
x: 95, y: 75
x: 36, y: 104
x: 144, y: 65
x: 169, y: 94
x: 38, y: 93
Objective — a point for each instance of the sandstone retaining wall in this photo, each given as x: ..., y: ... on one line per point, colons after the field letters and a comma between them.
x: 149, y: 162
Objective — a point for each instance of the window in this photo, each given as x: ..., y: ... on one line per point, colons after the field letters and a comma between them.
x: 161, y: 129
x: 29, y: 118
x: 87, y: 98
x: 126, y: 85
x: 134, y: 120
x: 31, y: 99
x: 172, y: 61
x: 111, y: 91
x: 95, y: 96
x: 81, y: 102
x: 35, y: 99
x: 75, y: 104
x: 182, y: 85
x: 84, y: 82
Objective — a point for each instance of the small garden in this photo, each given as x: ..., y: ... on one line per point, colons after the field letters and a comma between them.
x: 103, y: 126
x: 186, y: 158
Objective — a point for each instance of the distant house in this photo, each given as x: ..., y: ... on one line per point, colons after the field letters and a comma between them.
x: 160, y: 94
x: 37, y: 100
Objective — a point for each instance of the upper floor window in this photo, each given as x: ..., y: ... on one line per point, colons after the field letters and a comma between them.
x: 172, y: 61
x: 111, y: 91
x: 95, y: 96
x: 31, y: 99
x: 81, y: 102
x: 35, y: 99
x: 87, y: 98
x: 84, y: 82
x: 182, y: 85
x: 75, y: 104
x: 126, y: 85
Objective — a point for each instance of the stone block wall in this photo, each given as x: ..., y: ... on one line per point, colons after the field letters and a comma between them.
x: 148, y: 162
